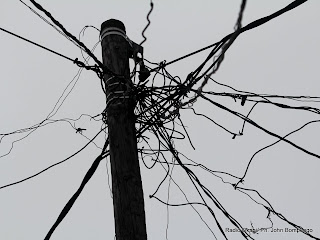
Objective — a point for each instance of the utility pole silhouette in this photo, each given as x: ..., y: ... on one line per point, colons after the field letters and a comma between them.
x: 128, y: 202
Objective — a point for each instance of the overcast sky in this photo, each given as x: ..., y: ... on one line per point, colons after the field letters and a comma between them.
x: 280, y: 57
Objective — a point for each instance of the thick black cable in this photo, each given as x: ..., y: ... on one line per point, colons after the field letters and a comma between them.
x: 75, y: 196
x: 250, y: 26
x: 263, y: 20
x: 48, y: 14
x: 240, y: 16
x: 149, y: 22
x: 260, y: 127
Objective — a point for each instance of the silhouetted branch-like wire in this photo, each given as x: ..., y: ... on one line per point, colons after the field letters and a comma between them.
x: 47, y: 122
x: 57, y: 23
x: 188, y: 203
x: 83, y: 30
x: 161, y: 99
x: 160, y: 105
x: 211, y: 120
x: 75, y: 196
x: 158, y: 113
x: 272, y: 144
x: 270, y: 209
x: 250, y: 26
x: 66, y: 92
x: 149, y: 22
x: 196, y: 182
x: 53, y: 165
x: 260, y: 127
x: 47, y: 22
x: 44, y: 122
x: 267, y: 204
x: 36, y: 44
x: 77, y: 42
x: 240, y: 16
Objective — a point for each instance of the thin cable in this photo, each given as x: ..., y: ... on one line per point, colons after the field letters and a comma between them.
x: 54, y: 111
x: 48, y: 14
x: 38, y: 45
x: 270, y: 145
x: 75, y: 61
x: 47, y: 22
x: 260, y: 127
x: 51, y: 166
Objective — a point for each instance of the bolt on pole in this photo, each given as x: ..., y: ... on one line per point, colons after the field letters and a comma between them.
x: 128, y: 202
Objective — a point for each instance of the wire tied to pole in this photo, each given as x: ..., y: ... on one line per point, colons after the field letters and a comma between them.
x: 115, y: 31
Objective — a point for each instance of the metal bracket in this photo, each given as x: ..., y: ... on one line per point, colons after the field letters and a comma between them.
x: 136, y: 48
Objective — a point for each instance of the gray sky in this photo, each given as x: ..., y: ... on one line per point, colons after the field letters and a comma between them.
x: 280, y: 57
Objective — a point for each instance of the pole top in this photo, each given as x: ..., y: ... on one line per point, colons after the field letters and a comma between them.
x: 112, y: 23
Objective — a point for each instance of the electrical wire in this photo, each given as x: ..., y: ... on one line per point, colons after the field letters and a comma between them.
x: 38, y: 45
x: 75, y: 196
x: 270, y: 145
x: 250, y: 26
x: 53, y: 165
x: 158, y: 113
x: 46, y: 21
x: 67, y: 33
x: 148, y: 24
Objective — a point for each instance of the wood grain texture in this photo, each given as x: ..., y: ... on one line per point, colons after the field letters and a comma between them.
x: 127, y: 190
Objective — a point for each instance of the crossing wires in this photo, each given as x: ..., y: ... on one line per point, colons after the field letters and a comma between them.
x: 159, y: 106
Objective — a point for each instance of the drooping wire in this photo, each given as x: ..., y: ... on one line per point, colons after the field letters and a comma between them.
x: 83, y: 30
x: 270, y: 145
x: 260, y: 127
x: 187, y: 200
x: 53, y: 112
x: 53, y: 165
x: 159, y: 106
x: 160, y: 100
x: 197, y: 184
x: 75, y: 196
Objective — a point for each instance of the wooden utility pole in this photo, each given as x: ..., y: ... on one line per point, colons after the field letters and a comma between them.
x: 127, y: 190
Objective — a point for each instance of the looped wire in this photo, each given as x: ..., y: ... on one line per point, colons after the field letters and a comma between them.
x: 94, y: 68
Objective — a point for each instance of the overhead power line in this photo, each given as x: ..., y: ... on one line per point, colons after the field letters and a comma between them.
x: 250, y: 26
x: 46, y: 21
x: 67, y: 33
x: 75, y: 61
x: 37, y: 44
